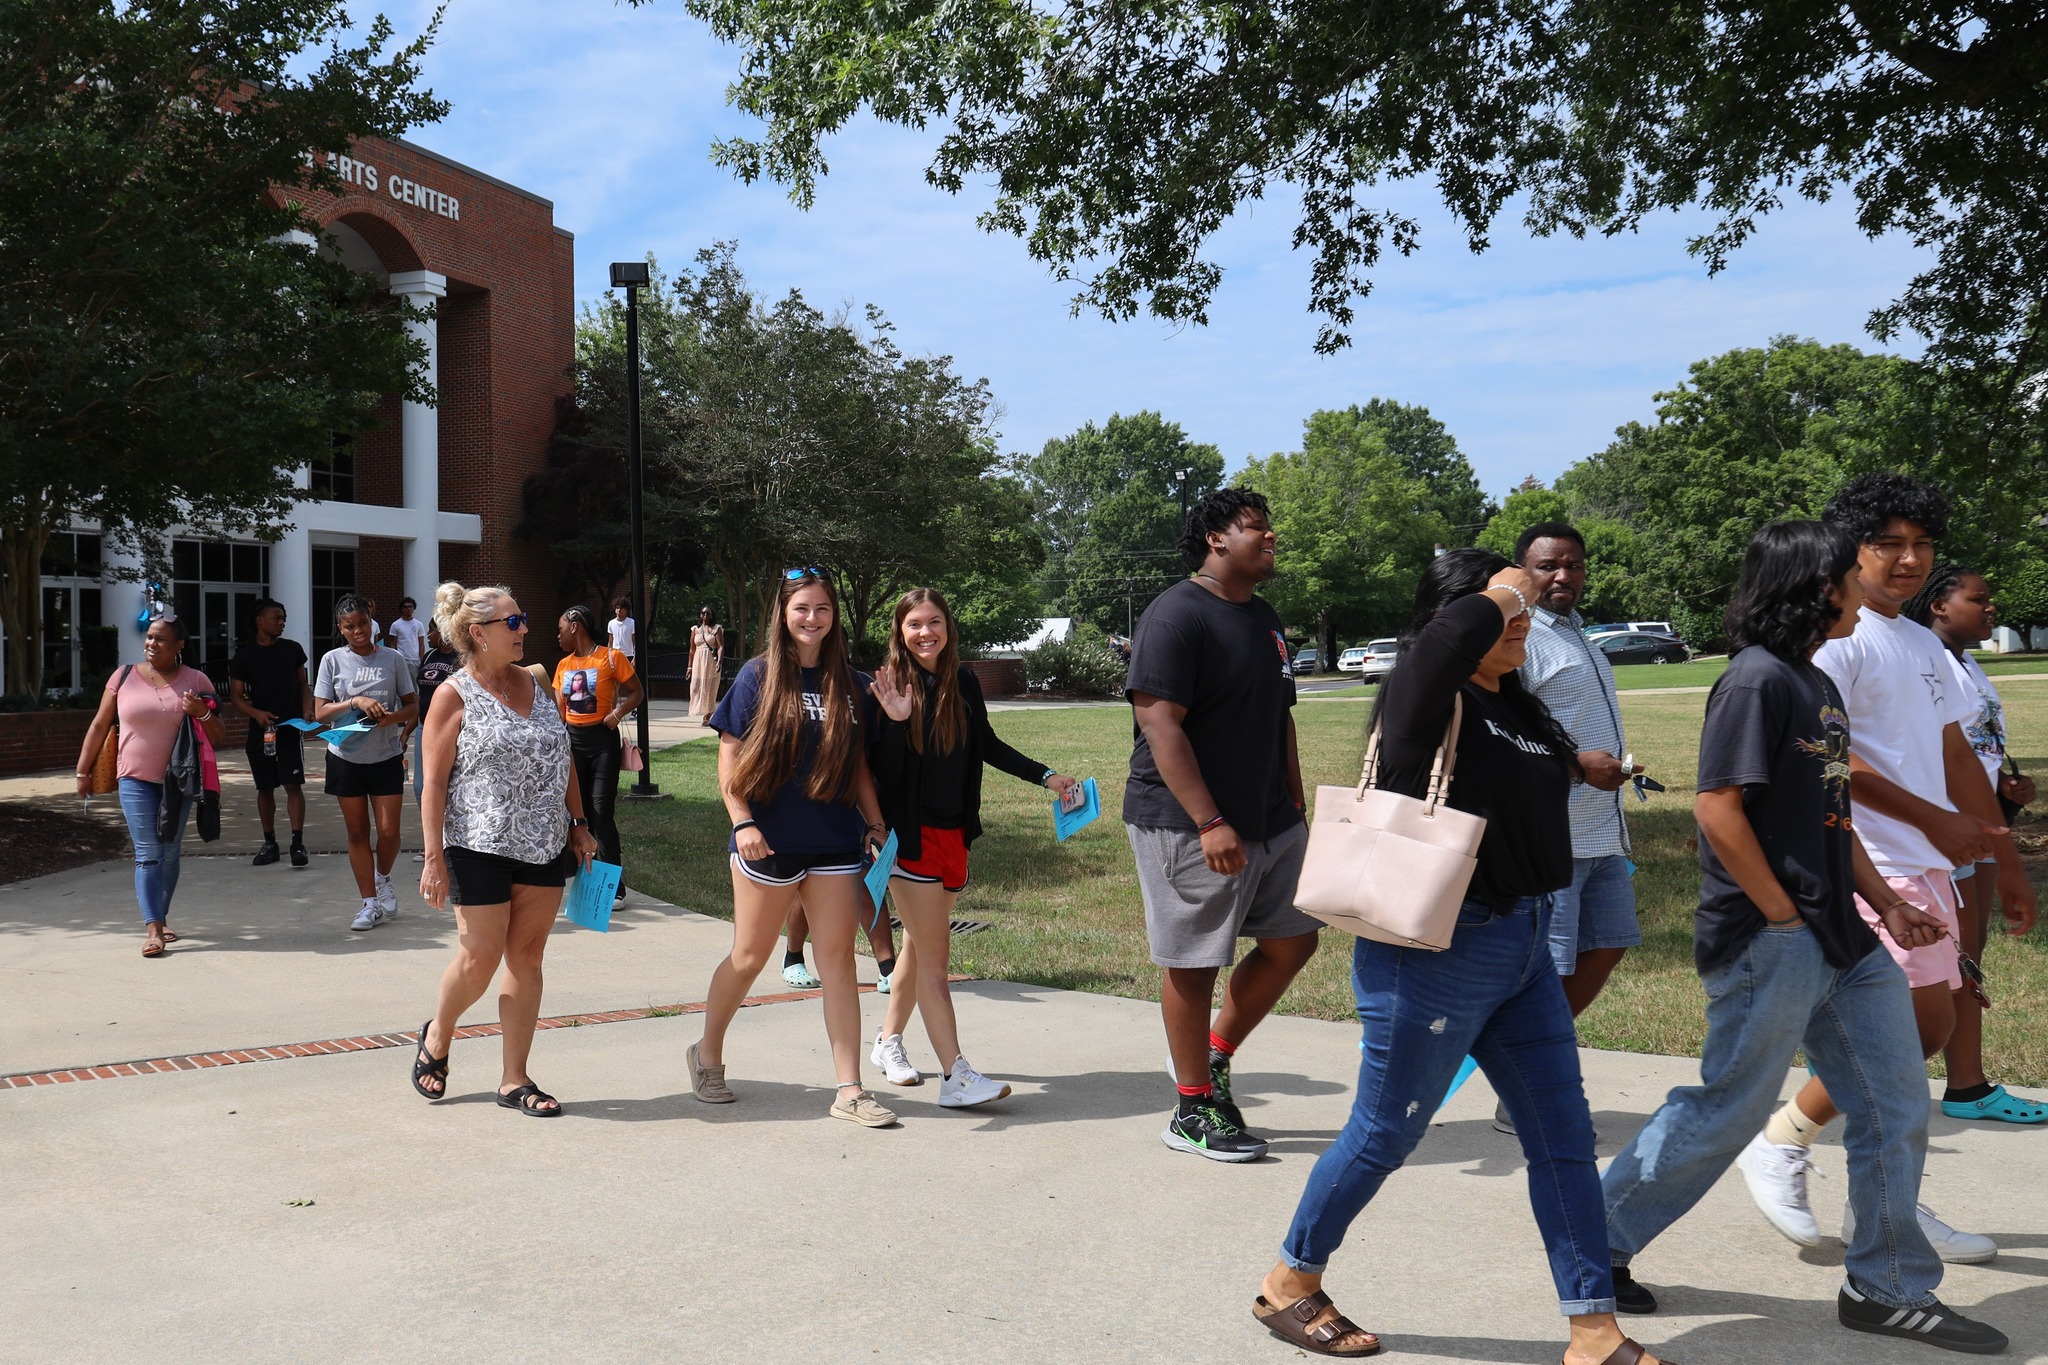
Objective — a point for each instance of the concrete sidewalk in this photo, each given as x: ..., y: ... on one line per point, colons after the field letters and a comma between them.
x: 317, y: 1208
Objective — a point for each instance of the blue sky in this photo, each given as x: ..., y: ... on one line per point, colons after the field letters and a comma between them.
x: 1531, y: 353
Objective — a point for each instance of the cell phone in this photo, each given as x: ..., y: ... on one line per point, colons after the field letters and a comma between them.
x: 1074, y: 799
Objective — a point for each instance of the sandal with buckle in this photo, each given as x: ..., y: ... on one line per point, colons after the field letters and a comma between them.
x: 528, y: 1099
x: 427, y: 1067
x: 1291, y: 1324
x: 1631, y: 1351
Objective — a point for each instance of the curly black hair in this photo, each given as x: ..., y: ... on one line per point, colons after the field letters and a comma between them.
x: 1461, y: 573
x: 1782, y: 602
x: 1547, y: 530
x: 1942, y: 580
x: 1869, y: 502
x: 1217, y: 512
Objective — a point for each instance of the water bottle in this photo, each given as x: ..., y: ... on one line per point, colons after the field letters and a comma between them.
x: 270, y: 741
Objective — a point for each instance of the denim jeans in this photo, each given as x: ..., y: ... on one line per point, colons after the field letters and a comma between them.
x: 156, y: 862
x: 1857, y: 1027
x: 1598, y: 910
x: 1494, y: 994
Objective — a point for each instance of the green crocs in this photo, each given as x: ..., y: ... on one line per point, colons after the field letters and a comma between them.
x: 1999, y: 1107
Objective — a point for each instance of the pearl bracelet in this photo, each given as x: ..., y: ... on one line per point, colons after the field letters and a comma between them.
x: 1520, y: 596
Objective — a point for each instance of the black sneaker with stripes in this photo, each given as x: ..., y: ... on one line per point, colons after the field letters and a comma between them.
x: 1936, y: 1324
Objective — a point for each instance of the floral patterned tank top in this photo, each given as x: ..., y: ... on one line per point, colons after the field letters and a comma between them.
x: 507, y: 791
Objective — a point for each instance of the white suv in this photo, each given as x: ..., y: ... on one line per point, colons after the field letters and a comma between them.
x: 1379, y: 659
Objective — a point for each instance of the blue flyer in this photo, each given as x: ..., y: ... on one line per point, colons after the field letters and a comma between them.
x: 301, y: 723
x: 1465, y: 1070
x: 1066, y: 823
x: 589, y: 897
x: 878, y: 874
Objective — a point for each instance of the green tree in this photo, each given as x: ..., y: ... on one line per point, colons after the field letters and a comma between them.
x: 1427, y: 451
x: 1520, y: 510
x: 168, y: 352
x: 1120, y: 139
x: 2021, y: 593
x: 1112, y: 498
x: 1351, y: 542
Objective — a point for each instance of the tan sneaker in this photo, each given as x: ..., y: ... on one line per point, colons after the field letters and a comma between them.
x: 863, y: 1109
x: 707, y: 1083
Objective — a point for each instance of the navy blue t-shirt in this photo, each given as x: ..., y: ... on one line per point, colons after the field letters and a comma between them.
x: 790, y: 821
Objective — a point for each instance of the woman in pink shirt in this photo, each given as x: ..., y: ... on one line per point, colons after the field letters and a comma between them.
x: 152, y: 700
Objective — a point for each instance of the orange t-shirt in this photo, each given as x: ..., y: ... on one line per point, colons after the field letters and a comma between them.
x: 588, y: 684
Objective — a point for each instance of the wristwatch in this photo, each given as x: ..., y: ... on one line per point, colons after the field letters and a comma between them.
x: 578, y: 822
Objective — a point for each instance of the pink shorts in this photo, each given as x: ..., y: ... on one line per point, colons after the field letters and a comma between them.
x: 1934, y: 965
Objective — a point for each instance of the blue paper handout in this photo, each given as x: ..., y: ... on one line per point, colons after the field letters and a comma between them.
x: 1066, y: 823
x: 301, y: 723
x: 590, y: 895
x: 878, y: 874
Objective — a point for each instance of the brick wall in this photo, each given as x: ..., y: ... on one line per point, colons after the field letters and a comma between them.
x: 39, y: 741
x: 998, y: 677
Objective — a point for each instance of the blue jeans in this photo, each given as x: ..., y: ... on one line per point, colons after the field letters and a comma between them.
x: 156, y: 862
x: 1493, y: 994
x: 1598, y: 910
x: 1857, y: 1027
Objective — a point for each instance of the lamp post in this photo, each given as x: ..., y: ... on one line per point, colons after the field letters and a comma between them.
x: 631, y: 276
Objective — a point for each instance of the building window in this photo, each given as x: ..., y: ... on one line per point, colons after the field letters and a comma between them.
x: 72, y: 554
x: 214, y: 587
x: 334, y: 474
x: 78, y: 651
x: 334, y: 577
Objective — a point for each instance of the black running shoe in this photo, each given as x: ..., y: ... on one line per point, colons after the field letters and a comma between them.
x: 1206, y: 1131
x: 1937, y: 1324
x: 1630, y: 1297
x: 266, y: 855
x: 299, y: 858
x: 1219, y: 1091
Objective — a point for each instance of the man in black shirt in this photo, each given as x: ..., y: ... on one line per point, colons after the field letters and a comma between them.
x: 267, y: 683
x: 1213, y: 809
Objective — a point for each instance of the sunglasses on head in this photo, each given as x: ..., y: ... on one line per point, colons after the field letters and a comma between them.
x: 812, y: 572
x: 516, y: 621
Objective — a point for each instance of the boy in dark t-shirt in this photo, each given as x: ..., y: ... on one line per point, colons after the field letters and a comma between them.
x: 1213, y: 810
x: 267, y: 683
x: 1788, y: 961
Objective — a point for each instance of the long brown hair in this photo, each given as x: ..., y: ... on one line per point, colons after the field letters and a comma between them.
x: 768, y: 751
x: 949, y: 718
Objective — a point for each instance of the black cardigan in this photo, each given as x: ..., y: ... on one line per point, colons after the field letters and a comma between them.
x: 899, y: 770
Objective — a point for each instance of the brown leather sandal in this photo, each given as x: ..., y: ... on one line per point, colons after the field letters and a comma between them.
x: 1629, y: 1353
x: 1291, y: 1324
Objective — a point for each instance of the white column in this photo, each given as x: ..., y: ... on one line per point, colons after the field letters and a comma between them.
x: 419, y: 429
x: 122, y: 601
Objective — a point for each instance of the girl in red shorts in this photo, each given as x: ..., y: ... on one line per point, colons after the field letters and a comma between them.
x: 926, y: 754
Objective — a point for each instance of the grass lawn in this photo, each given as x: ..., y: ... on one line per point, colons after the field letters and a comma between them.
x: 1068, y: 914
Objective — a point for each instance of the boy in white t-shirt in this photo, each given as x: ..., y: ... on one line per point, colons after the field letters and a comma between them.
x: 409, y: 636
x: 620, y: 628
x: 1922, y: 806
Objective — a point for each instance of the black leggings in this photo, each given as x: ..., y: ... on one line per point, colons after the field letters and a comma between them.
x: 596, y: 750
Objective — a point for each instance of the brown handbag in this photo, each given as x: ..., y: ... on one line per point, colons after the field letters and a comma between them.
x: 106, y: 768
x: 1390, y: 867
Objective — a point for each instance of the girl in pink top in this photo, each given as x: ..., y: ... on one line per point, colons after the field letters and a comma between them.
x: 152, y: 700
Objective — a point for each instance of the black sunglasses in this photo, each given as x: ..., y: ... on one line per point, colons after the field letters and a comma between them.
x: 516, y: 621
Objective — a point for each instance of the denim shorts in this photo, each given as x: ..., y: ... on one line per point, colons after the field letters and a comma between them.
x: 1598, y: 910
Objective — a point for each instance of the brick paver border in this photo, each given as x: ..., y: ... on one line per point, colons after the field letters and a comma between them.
x: 367, y: 1042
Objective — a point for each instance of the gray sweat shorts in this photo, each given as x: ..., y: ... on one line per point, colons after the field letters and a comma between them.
x: 1194, y: 917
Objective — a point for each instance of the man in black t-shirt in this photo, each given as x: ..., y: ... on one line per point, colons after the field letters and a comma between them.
x: 267, y: 683
x: 1213, y: 809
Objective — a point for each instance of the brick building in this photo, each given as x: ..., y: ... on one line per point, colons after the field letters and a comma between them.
x: 432, y: 492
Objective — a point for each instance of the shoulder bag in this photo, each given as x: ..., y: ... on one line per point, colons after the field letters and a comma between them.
x: 1390, y: 867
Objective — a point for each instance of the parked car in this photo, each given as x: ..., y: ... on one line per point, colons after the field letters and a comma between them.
x: 1307, y: 661
x: 1351, y: 660
x: 1642, y: 647
x: 1379, y: 659
x: 1652, y: 627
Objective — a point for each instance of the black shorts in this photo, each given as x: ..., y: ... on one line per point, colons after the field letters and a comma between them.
x: 787, y: 869
x: 285, y: 768
x: 488, y: 878
x: 383, y: 778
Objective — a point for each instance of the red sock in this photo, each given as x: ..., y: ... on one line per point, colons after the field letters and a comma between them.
x: 1218, y: 1044
x: 1195, y: 1092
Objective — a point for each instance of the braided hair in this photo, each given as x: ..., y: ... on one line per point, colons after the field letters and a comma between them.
x: 1941, y: 581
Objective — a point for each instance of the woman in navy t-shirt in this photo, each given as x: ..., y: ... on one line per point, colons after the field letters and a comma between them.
x: 792, y: 768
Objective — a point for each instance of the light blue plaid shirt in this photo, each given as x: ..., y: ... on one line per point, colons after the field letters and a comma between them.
x: 1576, y: 682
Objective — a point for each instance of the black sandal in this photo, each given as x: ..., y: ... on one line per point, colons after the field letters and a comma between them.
x: 528, y: 1098
x: 425, y: 1066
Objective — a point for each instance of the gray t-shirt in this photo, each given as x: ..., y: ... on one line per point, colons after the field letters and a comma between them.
x: 380, y: 676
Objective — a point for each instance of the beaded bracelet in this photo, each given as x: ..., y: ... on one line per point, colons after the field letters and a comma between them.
x: 1219, y: 820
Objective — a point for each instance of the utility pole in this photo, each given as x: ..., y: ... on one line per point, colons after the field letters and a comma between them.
x: 631, y: 276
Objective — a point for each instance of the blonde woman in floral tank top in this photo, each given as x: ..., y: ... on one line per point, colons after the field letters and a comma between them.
x: 504, y: 828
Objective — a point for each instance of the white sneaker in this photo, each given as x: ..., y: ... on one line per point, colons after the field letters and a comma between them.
x: 894, y: 1061
x: 370, y: 916
x: 1956, y: 1248
x: 965, y: 1086
x: 387, y: 897
x: 1777, y: 1181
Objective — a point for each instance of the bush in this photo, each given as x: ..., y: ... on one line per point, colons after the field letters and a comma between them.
x: 1076, y: 667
